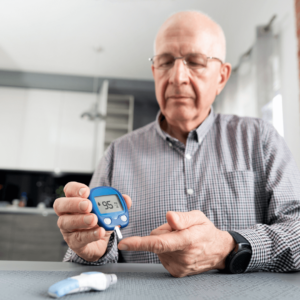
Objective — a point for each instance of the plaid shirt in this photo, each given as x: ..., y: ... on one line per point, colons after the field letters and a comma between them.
x: 237, y: 171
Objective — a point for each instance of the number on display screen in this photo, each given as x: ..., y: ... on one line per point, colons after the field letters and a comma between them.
x: 108, y: 204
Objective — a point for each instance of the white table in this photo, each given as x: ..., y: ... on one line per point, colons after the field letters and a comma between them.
x: 31, y: 280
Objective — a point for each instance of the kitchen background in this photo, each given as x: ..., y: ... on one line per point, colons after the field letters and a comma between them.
x: 75, y: 75
x: 51, y: 132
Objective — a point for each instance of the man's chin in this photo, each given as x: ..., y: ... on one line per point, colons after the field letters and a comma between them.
x: 179, y: 117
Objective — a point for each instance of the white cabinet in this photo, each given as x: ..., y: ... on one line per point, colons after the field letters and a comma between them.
x: 12, y: 104
x: 42, y: 130
x: 76, y: 139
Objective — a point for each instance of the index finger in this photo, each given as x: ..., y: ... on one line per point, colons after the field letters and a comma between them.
x: 165, y: 228
x: 169, y: 242
x: 76, y: 189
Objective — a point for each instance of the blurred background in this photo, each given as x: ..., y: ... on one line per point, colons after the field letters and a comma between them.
x: 75, y: 75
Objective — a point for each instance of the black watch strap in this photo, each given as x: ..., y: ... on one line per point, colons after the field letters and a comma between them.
x: 238, y: 259
x: 239, y: 239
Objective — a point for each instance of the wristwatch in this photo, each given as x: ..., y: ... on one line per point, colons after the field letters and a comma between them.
x: 238, y: 259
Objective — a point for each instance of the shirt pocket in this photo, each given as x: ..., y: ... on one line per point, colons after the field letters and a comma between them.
x: 237, y: 203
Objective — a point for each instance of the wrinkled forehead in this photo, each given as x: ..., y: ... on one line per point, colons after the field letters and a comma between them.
x: 180, y: 38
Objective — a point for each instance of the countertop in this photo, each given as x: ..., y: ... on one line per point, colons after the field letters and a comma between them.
x: 26, y: 210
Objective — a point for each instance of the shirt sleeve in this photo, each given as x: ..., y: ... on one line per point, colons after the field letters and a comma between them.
x: 276, y: 244
x: 101, y: 177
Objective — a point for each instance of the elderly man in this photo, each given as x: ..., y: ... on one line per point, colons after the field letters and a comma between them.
x: 208, y: 191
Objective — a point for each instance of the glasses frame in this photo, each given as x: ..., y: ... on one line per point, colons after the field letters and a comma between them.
x: 183, y: 59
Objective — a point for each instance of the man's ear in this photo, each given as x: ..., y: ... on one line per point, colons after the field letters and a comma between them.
x: 224, y: 75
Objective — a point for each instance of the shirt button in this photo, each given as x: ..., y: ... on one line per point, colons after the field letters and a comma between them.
x: 188, y: 156
x: 170, y: 144
x: 190, y: 191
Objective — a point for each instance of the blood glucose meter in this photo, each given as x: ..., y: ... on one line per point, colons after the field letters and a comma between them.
x: 110, y: 208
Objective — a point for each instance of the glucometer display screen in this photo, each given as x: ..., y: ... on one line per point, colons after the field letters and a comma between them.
x: 108, y: 204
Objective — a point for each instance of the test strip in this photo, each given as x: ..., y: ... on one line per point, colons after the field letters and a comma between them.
x: 119, y: 233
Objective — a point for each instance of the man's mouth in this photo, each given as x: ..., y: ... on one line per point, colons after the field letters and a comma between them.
x: 178, y: 96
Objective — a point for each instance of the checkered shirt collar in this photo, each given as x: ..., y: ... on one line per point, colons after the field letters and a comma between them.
x: 199, y: 133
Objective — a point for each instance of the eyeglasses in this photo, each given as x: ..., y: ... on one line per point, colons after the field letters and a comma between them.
x: 192, y: 61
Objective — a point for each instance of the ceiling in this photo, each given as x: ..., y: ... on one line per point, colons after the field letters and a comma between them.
x: 113, y: 38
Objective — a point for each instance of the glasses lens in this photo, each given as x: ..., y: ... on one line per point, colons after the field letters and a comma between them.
x: 196, y: 61
x: 164, y: 61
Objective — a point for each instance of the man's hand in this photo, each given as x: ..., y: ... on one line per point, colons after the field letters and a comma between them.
x: 78, y: 225
x: 188, y: 244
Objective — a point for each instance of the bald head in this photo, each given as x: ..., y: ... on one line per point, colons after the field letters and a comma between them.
x: 193, y: 23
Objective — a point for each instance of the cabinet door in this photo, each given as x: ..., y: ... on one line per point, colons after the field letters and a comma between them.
x: 30, y: 238
x: 76, y: 141
x: 43, y: 130
x: 40, y: 130
x: 12, y: 103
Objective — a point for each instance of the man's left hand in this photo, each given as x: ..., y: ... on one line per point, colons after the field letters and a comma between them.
x: 187, y: 244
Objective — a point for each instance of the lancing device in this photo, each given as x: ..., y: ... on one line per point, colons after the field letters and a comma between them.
x: 110, y: 208
x: 82, y: 283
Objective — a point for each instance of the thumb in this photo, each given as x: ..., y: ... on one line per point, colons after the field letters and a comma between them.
x: 184, y: 220
x: 127, y: 200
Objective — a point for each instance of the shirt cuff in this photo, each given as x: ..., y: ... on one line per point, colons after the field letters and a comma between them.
x: 261, y: 246
x: 110, y: 256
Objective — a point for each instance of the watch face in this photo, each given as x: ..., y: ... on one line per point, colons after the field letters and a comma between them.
x: 240, y: 261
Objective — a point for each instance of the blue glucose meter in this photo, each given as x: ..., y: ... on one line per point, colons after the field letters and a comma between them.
x: 110, y: 208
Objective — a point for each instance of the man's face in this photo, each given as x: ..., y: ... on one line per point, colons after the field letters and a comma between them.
x: 185, y: 95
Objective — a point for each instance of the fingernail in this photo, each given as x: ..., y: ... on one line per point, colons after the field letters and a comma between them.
x: 83, y: 205
x: 96, y: 234
x: 88, y: 219
x: 123, y: 247
x: 82, y: 191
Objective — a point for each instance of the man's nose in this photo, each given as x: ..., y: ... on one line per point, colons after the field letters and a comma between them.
x: 179, y: 73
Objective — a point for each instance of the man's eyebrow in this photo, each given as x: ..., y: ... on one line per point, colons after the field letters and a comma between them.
x: 189, y: 53
x: 165, y: 53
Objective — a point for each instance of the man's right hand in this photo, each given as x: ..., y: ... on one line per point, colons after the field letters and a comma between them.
x: 78, y: 225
